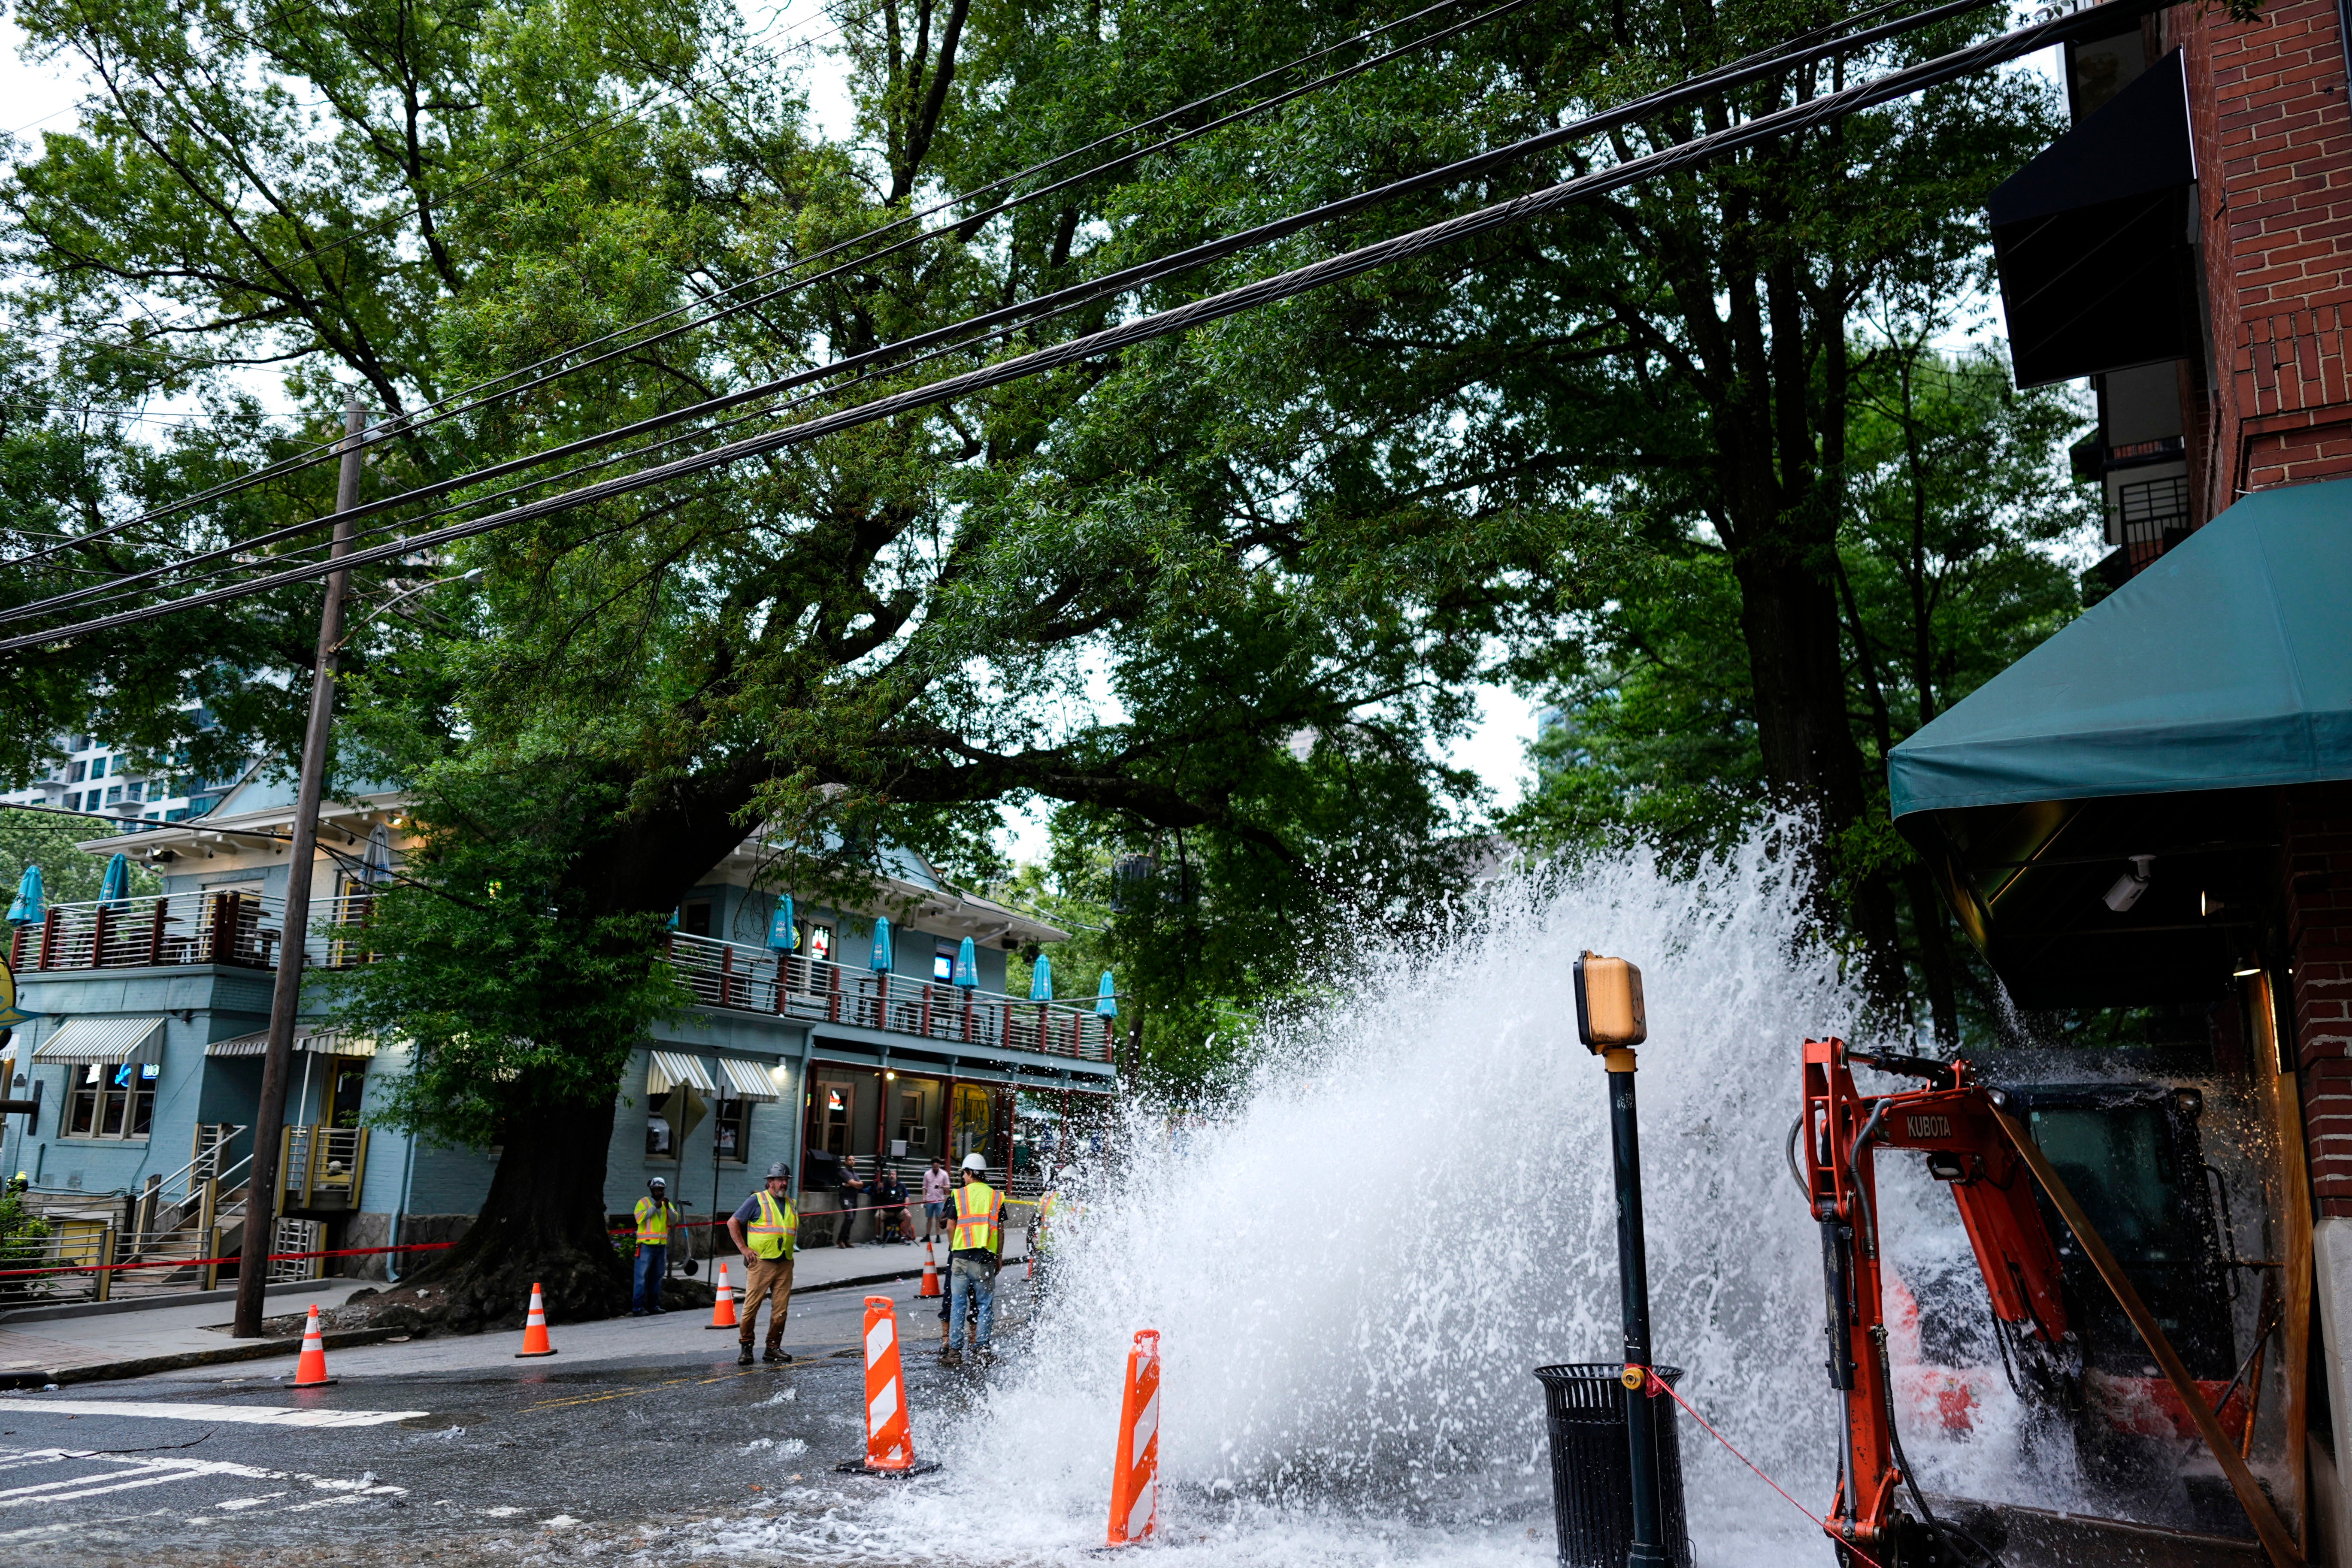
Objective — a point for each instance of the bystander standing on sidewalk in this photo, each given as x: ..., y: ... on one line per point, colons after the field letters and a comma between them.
x: 655, y: 1215
x: 766, y: 1229
x: 852, y: 1185
x: 935, y: 1196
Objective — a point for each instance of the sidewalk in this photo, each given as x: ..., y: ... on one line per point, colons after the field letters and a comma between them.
x: 165, y: 1339
x: 76, y: 1345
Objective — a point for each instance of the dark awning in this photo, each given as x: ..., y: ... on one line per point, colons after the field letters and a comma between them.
x: 2160, y: 722
x: 2093, y: 238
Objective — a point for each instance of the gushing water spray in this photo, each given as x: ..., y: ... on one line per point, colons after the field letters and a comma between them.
x: 1355, y: 1266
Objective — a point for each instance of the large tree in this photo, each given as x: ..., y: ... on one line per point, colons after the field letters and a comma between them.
x: 873, y: 639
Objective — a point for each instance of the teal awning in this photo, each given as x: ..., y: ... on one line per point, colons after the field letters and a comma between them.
x: 2226, y: 665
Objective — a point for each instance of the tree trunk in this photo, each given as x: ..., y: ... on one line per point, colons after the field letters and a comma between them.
x: 1789, y: 616
x: 542, y: 1223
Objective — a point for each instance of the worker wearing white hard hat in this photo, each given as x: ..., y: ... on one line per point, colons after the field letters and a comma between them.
x: 975, y: 1246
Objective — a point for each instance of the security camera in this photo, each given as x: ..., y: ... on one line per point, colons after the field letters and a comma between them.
x: 2131, y: 884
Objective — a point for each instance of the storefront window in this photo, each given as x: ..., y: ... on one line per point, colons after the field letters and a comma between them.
x: 734, y: 1133
x: 657, y: 1137
x: 111, y: 1099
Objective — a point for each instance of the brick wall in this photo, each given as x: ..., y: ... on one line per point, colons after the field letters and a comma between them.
x: 2273, y: 142
x: 2318, y: 860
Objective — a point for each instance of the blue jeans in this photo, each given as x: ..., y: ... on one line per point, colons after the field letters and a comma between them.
x: 971, y: 1279
x: 652, y: 1263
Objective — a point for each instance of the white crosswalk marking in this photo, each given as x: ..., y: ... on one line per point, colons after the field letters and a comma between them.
x: 234, y: 1414
x: 98, y: 1475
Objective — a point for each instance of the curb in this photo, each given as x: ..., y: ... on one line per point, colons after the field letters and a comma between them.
x: 144, y: 1366
x: 162, y: 1299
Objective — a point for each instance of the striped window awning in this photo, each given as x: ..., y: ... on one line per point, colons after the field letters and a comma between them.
x: 318, y: 1042
x: 748, y: 1080
x: 666, y: 1070
x: 94, y: 1040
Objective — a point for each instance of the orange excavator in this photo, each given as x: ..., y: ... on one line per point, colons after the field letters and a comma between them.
x: 1953, y: 1121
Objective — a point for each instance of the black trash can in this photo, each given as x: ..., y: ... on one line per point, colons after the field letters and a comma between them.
x: 1593, y: 1472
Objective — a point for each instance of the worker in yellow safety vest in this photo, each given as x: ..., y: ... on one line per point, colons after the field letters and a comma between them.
x: 767, y: 1230
x: 975, y: 1245
x: 655, y: 1212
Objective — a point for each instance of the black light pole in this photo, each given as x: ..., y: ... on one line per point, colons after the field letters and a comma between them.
x: 1610, y: 1022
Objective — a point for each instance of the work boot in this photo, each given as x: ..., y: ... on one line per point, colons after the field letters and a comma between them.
x: 984, y: 1356
x: 744, y: 1359
x: 950, y: 1357
x: 775, y: 1353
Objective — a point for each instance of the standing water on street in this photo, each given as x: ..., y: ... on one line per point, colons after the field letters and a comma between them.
x: 1355, y: 1266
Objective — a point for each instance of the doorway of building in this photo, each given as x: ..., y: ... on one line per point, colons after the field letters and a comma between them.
x: 973, y: 1121
x: 836, y: 1116
x: 346, y: 1085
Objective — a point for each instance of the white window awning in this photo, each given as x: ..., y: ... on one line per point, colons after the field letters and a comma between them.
x: 318, y: 1042
x: 665, y: 1070
x: 92, y: 1040
x: 750, y: 1080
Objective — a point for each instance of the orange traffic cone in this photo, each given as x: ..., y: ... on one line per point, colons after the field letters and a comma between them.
x: 889, y: 1444
x: 930, y: 1273
x: 1135, y: 1472
x: 534, y: 1329
x: 722, y: 1309
x: 310, y: 1370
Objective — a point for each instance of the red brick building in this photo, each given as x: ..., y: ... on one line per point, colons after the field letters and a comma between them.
x: 2153, y: 810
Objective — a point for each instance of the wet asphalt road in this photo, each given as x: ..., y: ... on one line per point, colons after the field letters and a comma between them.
x: 642, y: 1452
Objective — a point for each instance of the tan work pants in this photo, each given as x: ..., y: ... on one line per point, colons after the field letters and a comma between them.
x: 767, y: 1277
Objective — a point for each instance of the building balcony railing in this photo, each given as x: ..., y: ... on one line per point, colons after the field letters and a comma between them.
x: 247, y: 930
x: 753, y: 980
x: 241, y: 930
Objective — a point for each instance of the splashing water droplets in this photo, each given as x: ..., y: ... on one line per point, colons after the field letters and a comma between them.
x: 1355, y: 1266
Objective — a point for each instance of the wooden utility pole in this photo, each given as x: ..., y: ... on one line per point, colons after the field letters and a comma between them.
x: 285, y: 1000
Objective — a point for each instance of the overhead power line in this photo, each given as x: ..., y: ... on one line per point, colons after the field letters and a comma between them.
x: 1559, y: 197
x: 480, y: 394
x: 1755, y: 67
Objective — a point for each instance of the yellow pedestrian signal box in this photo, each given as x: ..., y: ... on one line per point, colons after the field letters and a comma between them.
x: 1609, y: 1014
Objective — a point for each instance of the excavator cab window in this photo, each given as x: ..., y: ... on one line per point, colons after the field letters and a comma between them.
x: 2132, y: 1158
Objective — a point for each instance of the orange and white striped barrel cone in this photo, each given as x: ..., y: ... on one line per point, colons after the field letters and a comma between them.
x: 1135, y: 1473
x: 889, y: 1442
x: 310, y: 1370
x: 930, y: 1273
x: 722, y: 1307
x: 534, y: 1329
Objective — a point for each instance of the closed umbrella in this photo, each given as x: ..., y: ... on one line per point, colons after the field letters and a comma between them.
x: 116, y: 885
x: 881, y: 960
x: 783, y: 935
x: 967, y: 965
x: 1107, y: 996
x: 27, y: 910
x: 1041, y: 979
x: 376, y: 865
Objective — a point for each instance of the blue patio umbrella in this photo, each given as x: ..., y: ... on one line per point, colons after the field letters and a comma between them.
x: 115, y: 885
x: 1107, y: 996
x: 967, y: 965
x: 783, y: 935
x: 881, y: 960
x: 27, y: 910
x: 1041, y: 979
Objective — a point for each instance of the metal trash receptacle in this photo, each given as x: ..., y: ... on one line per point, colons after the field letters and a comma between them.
x: 1592, y: 1471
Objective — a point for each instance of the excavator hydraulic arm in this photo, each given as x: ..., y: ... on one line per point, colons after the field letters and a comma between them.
x: 1951, y: 1121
